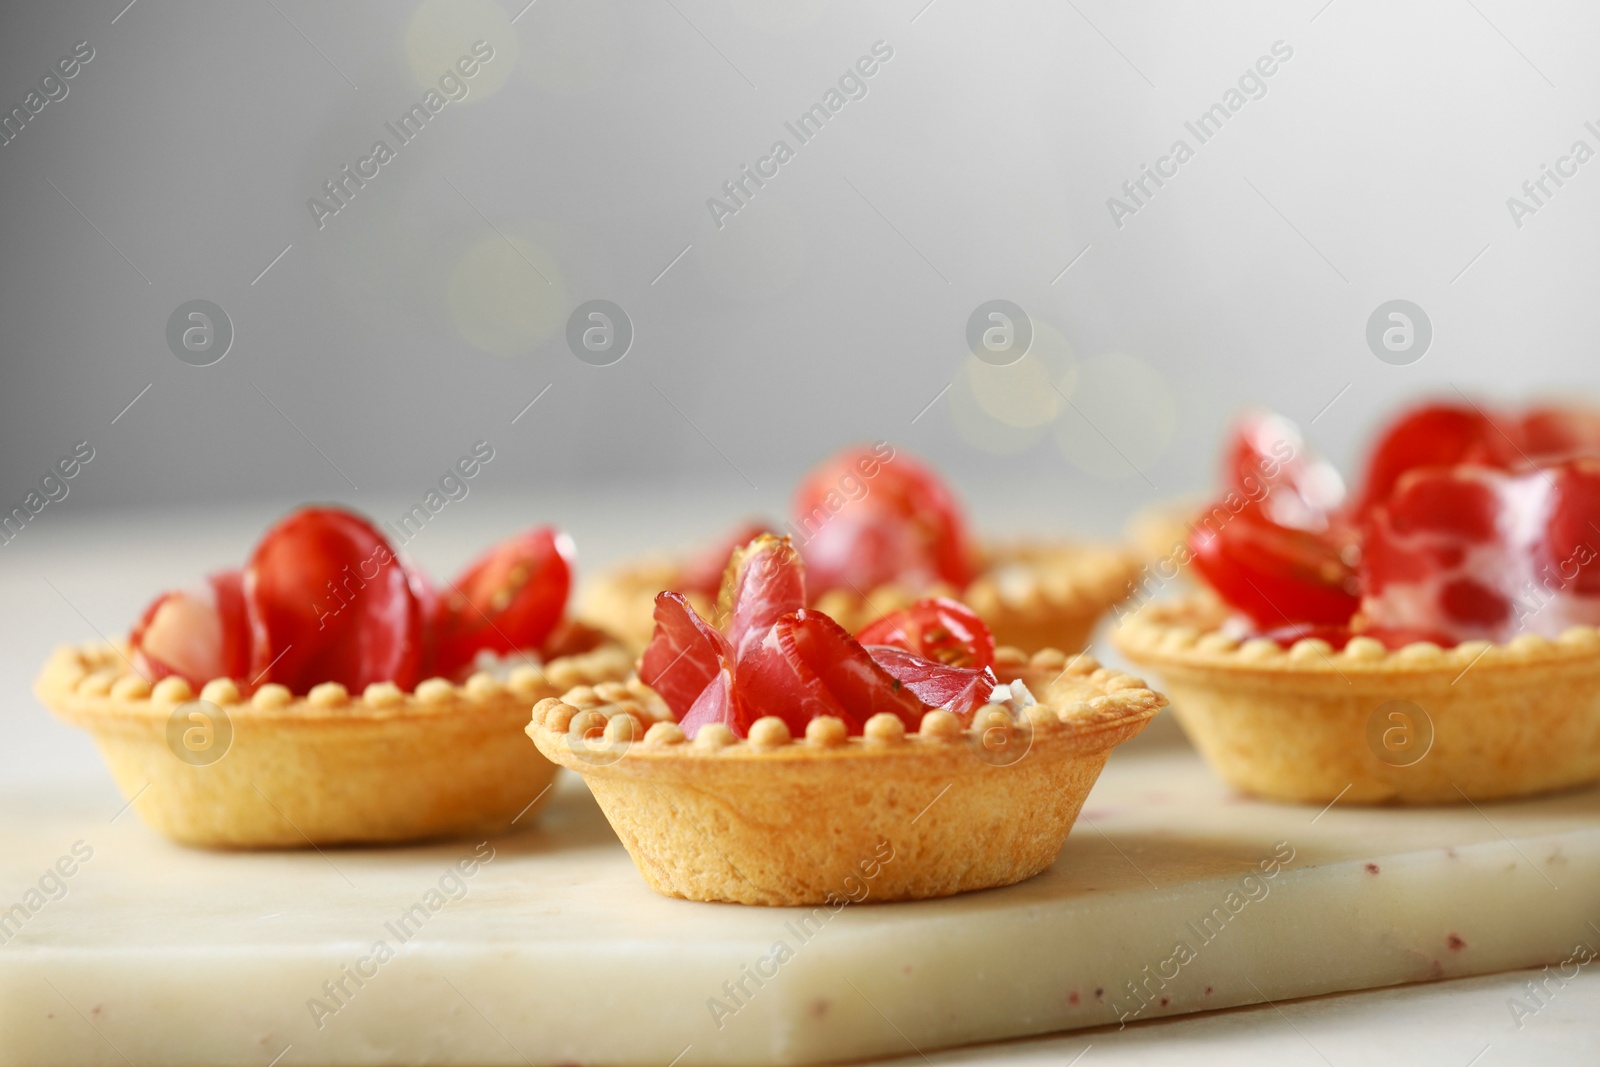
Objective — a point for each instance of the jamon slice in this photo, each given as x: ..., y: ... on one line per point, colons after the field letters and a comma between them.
x: 685, y: 654
x: 1571, y: 547
x: 1434, y: 435
x: 703, y: 572
x: 196, y: 635
x: 764, y: 581
x: 820, y: 648
x: 1269, y: 463
x: 959, y: 690
x: 1483, y: 554
x: 776, y: 657
x: 718, y: 702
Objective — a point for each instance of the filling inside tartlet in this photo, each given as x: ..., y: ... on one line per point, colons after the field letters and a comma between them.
x: 1467, y: 525
x: 769, y: 654
x: 866, y: 517
x: 325, y: 598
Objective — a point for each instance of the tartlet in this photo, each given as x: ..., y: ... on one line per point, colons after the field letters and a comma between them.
x: 1033, y: 595
x: 1160, y: 533
x: 329, y: 767
x: 342, y: 698
x: 1367, y: 724
x: 774, y: 819
x: 1160, y: 530
x: 1428, y: 636
x: 879, y: 529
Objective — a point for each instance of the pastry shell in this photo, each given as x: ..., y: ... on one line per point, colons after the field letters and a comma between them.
x: 1365, y: 724
x: 326, y: 768
x: 1033, y: 595
x: 891, y: 815
x: 1161, y: 531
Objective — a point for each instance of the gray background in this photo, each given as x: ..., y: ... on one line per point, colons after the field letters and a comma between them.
x: 833, y: 307
x: 370, y: 354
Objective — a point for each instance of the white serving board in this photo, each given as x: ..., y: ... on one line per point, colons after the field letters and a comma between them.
x: 557, y: 952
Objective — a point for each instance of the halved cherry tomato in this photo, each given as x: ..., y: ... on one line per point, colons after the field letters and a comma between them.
x: 1275, y: 574
x: 702, y: 573
x: 872, y: 516
x: 197, y: 635
x: 507, y: 600
x: 329, y: 601
x: 936, y: 628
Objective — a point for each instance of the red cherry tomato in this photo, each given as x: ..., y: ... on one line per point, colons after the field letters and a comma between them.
x: 870, y: 516
x: 935, y: 628
x: 507, y: 600
x: 198, y: 635
x: 329, y: 601
x: 869, y: 547
x: 702, y: 573
x: 1275, y: 574
x: 1448, y: 434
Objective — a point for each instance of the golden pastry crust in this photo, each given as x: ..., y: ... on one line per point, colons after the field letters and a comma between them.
x: 1161, y: 531
x: 622, y: 601
x: 1033, y: 595
x: 330, y: 767
x: 1309, y: 724
x: 777, y: 820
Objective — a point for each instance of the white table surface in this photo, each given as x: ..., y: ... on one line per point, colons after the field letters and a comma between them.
x: 72, y: 574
